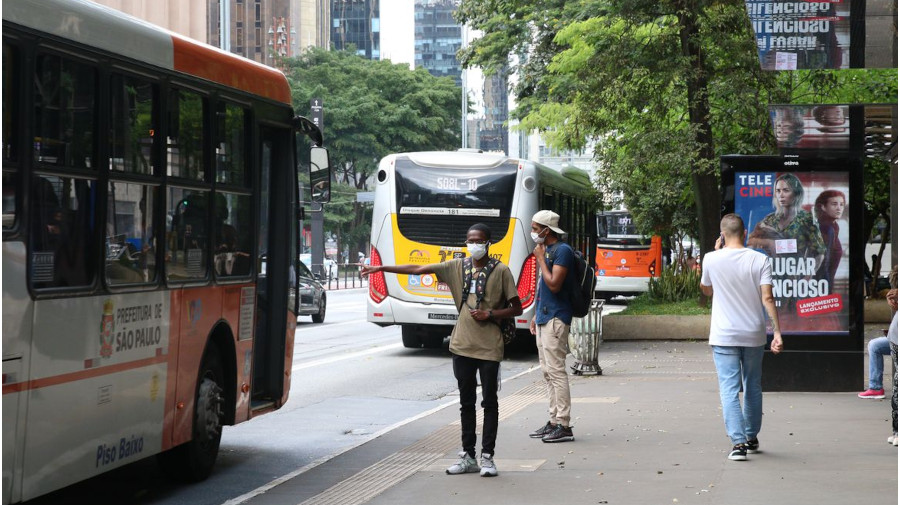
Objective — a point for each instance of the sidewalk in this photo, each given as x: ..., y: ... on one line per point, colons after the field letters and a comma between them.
x: 648, y: 431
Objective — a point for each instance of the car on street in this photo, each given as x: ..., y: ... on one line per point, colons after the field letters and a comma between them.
x: 312, y: 294
x: 329, y: 266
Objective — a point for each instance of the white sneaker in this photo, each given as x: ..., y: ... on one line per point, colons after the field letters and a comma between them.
x: 892, y: 439
x: 488, y: 468
x: 466, y: 464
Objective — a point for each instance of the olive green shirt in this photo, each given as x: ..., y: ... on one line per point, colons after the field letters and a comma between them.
x: 471, y: 338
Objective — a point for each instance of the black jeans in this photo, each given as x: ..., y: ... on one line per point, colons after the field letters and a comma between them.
x: 894, y: 387
x: 464, y: 369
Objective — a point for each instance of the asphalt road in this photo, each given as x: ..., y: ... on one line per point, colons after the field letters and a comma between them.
x: 351, y: 381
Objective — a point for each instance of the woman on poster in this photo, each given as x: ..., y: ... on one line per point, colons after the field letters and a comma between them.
x: 791, y: 237
x: 790, y: 229
x: 829, y: 208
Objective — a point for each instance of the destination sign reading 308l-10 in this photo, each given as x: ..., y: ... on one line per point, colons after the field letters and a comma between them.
x: 455, y: 184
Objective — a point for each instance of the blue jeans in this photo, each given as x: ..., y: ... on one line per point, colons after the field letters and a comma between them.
x: 878, y: 348
x: 737, y: 366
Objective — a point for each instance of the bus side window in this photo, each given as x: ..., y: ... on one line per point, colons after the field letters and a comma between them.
x: 11, y: 133
x: 130, y: 244
x: 186, y: 235
x: 64, y: 118
x: 233, y: 236
x: 63, y: 231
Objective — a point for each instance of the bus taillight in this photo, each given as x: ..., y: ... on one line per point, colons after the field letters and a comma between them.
x: 527, y: 281
x: 377, y: 284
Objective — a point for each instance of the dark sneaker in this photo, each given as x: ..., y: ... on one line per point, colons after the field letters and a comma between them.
x: 752, y: 446
x: 488, y: 468
x: 559, y: 434
x: 466, y: 464
x: 738, y: 453
x: 543, y: 430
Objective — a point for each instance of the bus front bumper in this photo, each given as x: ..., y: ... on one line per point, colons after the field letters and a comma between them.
x: 394, y: 311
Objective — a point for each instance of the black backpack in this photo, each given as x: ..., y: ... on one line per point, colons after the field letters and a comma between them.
x: 579, y: 285
x: 584, y: 282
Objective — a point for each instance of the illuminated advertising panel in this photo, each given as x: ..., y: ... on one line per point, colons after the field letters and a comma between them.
x: 793, y: 35
x: 806, y: 214
x: 799, y: 219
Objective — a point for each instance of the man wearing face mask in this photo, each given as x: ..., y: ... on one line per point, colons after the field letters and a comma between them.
x: 476, y: 342
x: 552, y: 317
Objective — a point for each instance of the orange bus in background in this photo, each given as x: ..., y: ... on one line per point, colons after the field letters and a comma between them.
x: 626, y: 260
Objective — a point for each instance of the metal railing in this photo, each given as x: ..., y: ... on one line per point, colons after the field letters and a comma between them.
x: 346, y: 276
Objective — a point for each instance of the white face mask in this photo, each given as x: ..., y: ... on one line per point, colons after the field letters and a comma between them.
x: 538, y: 239
x: 477, y: 251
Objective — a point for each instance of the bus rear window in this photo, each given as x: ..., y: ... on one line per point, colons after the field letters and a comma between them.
x: 437, y: 205
x: 455, y: 191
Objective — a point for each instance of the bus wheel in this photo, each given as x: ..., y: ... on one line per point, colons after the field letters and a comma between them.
x: 433, y: 340
x: 320, y: 316
x: 412, y: 338
x: 193, y: 461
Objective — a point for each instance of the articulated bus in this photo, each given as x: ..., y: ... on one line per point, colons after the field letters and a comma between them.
x: 626, y: 260
x: 424, y: 205
x: 149, y: 194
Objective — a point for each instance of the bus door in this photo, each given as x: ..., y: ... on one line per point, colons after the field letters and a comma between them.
x: 270, y: 346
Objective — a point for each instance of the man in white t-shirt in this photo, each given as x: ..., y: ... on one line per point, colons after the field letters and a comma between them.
x: 739, y: 280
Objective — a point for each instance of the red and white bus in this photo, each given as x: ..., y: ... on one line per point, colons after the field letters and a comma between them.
x: 149, y: 191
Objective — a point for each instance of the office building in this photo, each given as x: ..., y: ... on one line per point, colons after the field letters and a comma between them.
x: 356, y: 24
x: 438, y: 37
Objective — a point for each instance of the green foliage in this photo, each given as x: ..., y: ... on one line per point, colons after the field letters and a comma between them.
x: 661, y: 88
x: 372, y: 109
x: 675, y: 285
x: 644, y: 306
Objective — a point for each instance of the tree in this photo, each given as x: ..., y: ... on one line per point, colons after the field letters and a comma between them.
x: 372, y: 109
x: 663, y: 88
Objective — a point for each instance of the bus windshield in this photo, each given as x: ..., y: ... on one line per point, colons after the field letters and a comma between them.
x: 453, y: 198
x: 616, y: 225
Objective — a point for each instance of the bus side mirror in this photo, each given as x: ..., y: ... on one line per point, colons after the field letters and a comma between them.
x: 320, y: 174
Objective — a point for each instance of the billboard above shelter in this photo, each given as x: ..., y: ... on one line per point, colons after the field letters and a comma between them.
x: 793, y: 35
x: 861, y: 129
x: 831, y: 34
x: 811, y: 126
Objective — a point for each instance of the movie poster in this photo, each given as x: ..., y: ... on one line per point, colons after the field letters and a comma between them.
x: 800, y: 221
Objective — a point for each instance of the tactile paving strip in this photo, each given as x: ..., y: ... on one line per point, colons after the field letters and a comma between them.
x: 376, y: 479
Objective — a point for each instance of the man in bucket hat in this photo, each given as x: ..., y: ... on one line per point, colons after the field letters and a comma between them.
x: 552, y: 317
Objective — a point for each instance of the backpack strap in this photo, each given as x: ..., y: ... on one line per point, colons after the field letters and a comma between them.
x: 480, y: 281
x: 467, y: 271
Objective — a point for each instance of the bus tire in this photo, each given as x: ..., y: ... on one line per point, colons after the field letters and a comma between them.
x: 193, y: 461
x: 412, y: 338
x: 434, y: 340
x: 320, y: 316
